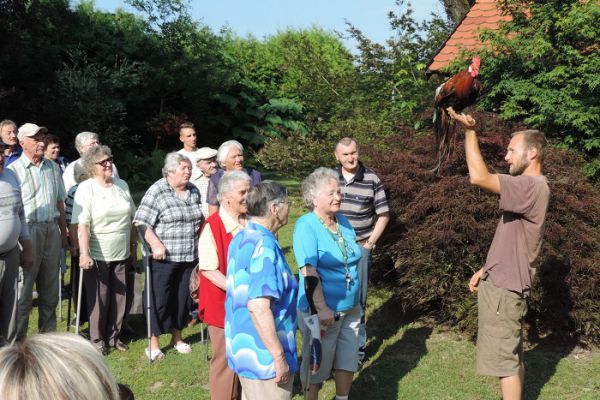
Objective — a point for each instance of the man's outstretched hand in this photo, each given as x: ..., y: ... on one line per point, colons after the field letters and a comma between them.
x: 465, y: 120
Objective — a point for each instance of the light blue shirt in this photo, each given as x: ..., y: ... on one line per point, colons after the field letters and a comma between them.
x: 41, y: 188
x: 257, y: 268
x: 314, y: 245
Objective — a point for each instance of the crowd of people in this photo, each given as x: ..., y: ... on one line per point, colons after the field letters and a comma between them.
x: 211, y: 214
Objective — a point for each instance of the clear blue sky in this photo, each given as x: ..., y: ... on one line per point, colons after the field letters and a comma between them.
x: 265, y: 17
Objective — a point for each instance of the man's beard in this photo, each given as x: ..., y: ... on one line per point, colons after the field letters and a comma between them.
x: 519, y: 167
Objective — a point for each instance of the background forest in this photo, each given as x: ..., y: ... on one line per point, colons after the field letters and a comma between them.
x: 133, y: 78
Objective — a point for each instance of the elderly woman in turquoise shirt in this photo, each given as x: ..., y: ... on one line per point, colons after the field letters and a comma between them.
x: 325, y: 247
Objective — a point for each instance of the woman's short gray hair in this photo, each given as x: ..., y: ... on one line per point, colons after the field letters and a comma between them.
x: 312, y: 184
x: 229, y: 179
x: 172, y: 161
x: 263, y: 195
x: 55, y: 366
x: 83, y: 138
x: 91, y: 157
x: 224, y: 149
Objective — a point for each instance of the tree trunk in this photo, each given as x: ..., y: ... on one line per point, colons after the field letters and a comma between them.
x: 457, y: 9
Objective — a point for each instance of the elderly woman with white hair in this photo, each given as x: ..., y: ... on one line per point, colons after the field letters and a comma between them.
x: 230, y: 157
x: 217, y: 233
x: 171, y: 213
x: 327, y: 255
x: 83, y: 142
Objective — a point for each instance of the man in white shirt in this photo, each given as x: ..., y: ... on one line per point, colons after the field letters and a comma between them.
x: 207, y: 164
x: 187, y: 136
x: 83, y: 142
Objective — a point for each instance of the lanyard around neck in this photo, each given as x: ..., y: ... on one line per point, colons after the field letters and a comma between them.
x: 341, y: 243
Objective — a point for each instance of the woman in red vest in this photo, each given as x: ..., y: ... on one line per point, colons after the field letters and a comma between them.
x: 217, y: 233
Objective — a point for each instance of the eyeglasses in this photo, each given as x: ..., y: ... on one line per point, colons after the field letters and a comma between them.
x: 105, y: 162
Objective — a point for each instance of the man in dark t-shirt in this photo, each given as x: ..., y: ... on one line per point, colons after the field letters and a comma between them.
x: 504, y: 282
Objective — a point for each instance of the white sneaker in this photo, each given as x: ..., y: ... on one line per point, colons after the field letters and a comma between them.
x: 34, y: 295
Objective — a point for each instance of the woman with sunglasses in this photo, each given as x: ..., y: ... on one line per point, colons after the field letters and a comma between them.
x: 104, y: 210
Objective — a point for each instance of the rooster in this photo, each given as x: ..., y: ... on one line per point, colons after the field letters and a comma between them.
x: 458, y: 92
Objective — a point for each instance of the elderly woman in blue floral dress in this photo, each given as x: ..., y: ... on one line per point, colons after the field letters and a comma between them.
x: 260, y: 307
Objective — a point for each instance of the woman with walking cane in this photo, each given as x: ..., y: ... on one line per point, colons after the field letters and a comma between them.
x: 260, y: 307
x: 103, y: 209
x: 327, y: 255
x: 171, y: 213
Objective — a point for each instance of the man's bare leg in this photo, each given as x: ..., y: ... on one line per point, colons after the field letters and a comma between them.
x: 512, y: 386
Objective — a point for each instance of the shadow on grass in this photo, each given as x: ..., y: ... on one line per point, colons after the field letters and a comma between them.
x: 542, y: 359
x: 541, y: 362
x: 379, y: 380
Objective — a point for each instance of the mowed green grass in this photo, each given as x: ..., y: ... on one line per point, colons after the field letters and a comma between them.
x: 407, y: 359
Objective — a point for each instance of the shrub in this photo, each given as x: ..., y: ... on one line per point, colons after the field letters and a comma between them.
x: 445, y: 227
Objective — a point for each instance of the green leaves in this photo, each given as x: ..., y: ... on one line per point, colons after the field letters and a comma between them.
x: 544, y: 68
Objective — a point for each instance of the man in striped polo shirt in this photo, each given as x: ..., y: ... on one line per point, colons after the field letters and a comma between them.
x: 365, y: 205
x: 43, y: 194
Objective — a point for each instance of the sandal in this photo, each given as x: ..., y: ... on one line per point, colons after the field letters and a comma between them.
x: 154, y: 355
x: 182, y: 348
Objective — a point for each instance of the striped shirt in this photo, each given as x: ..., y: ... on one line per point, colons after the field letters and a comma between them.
x: 201, y: 183
x: 41, y: 188
x: 363, y: 197
x: 175, y: 221
x: 69, y: 203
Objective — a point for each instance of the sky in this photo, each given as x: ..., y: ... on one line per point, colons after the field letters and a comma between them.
x: 266, y: 17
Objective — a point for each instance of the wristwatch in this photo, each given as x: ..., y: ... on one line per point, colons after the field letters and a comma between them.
x: 373, y: 245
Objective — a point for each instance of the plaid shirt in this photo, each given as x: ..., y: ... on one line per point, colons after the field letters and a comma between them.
x: 41, y: 188
x: 175, y: 221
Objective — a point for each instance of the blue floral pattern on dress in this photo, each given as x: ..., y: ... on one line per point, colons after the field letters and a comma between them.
x: 257, y: 268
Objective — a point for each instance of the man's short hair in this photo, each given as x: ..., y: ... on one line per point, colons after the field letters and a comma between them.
x: 186, y: 125
x: 345, y: 141
x: 50, y: 139
x: 534, y: 139
x: 7, y: 122
x: 83, y: 138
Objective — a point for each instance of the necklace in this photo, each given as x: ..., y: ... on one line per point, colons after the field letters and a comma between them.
x: 341, y: 243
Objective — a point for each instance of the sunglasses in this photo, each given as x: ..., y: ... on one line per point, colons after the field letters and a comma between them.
x: 105, y: 162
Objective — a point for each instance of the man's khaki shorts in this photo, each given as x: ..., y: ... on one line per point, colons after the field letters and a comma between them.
x: 500, y: 334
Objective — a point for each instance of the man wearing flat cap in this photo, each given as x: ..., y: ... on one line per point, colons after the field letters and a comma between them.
x: 207, y: 165
x: 43, y: 194
x: 13, y: 236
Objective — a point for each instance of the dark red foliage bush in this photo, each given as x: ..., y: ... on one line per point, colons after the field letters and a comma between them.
x: 444, y: 227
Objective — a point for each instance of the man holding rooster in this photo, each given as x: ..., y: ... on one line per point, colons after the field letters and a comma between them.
x: 505, y: 281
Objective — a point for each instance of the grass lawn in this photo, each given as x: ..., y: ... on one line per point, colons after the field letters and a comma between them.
x: 407, y: 359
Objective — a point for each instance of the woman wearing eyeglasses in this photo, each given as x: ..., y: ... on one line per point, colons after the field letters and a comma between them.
x: 104, y: 210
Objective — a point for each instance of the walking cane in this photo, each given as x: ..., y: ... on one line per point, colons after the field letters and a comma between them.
x: 71, y: 282
x: 147, y: 260
x: 313, y: 360
x: 78, y: 302
x: 59, y: 292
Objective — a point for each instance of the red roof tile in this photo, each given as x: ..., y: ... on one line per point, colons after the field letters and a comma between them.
x: 483, y: 14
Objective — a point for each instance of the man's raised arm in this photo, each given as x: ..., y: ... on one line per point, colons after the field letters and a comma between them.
x: 478, y: 172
